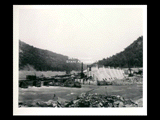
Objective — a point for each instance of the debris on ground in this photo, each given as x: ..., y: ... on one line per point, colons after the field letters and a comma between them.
x: 86, y: 100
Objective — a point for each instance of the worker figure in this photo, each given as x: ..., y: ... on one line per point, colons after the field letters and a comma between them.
x: 55, y: 98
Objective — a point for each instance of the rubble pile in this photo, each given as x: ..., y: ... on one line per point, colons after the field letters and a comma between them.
x: 88, y: 100
x: 99, y: 100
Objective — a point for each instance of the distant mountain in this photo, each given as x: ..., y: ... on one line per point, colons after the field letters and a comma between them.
x: 132, y: 56
x: 32, y: 58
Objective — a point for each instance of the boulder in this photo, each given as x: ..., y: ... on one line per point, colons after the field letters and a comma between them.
x: 50, y: 103
x: 54, y: 104
x: 59, y: 104
x: 122, y: 99
x: 105, y: 103
x: 121, y: 104
x: 139, y: 102
x: 118, y: 96
x: 68, y: 103
x: 118, y: 104
x: 110, y: 105
x: 100, y: 105
x: 75, y: 101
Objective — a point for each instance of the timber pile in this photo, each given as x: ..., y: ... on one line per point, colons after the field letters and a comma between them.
x: 87, y: 100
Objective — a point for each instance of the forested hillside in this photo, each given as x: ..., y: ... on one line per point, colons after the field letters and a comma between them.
x: 43, y: 60
x: 31, y: 57
x: 132, y: 56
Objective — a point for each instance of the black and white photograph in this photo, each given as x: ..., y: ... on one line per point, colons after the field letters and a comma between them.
x: 79, y: 59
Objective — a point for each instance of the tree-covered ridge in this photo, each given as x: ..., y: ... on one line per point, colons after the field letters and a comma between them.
x: 43, y: 60
x: 132, y: 56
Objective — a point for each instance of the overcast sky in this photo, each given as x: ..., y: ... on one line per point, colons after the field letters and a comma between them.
x: 86, y: 33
